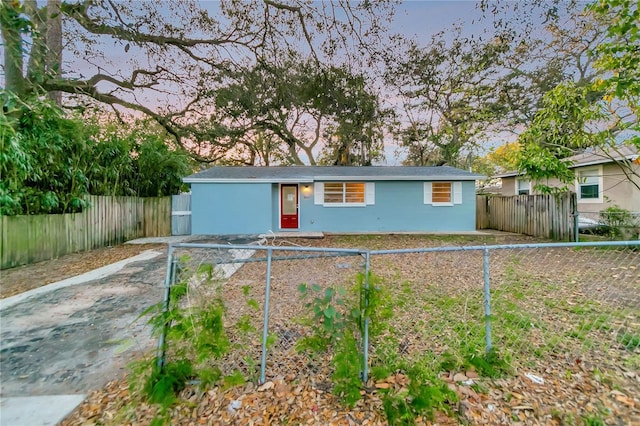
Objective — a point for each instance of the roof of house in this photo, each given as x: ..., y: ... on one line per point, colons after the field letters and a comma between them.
x: 592, y: 158
x: 301, y: 174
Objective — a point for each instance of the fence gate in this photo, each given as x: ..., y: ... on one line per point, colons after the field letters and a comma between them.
x: 181, y: 214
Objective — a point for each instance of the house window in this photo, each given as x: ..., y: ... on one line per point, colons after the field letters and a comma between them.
x: 523, y: 187
x: 589, y: 185
x: 343, y: 193
x: 337, y: 194
x: 442, y: 193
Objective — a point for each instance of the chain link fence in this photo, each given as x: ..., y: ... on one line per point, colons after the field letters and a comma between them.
x: 261, y: 315
x: 453, y: 307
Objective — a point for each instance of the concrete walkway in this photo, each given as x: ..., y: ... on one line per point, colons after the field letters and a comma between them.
x: 46, y: 410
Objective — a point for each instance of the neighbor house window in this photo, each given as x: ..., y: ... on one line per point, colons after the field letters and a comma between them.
x: 589, y: 185
x: 344, y: 193
x: 442, y: 193
x: 523, y: 187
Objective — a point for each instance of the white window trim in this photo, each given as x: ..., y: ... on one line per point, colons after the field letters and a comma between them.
x: 517, y: 189
x: 456, y: 195
x: 600, y: 198
x: 369, y: 195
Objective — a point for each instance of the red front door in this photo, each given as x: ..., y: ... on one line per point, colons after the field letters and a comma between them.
x: 289, y: 206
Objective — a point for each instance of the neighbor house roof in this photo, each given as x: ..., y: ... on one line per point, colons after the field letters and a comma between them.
x: 592, y: 158
x: 303, y: 174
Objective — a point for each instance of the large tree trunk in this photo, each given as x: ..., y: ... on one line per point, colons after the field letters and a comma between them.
x: 12, y: 40
x: 53, y: 59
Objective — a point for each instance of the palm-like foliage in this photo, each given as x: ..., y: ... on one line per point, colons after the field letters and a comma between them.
x: 49, y: 162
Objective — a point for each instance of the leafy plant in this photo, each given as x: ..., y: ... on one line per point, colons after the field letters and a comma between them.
x: 165, y: 382
x: 43, y: 162
x: 334, y: 326
x: 620, y: 223
x: 327, y: 322
x: 196, y: 335
x: 423, y: 396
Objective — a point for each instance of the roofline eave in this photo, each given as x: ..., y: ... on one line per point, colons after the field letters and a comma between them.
x: 333, y: 179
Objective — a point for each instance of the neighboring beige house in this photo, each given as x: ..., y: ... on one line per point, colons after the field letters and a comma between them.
x: 600, y: 181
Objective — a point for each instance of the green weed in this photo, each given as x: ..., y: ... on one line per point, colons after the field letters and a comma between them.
x: 593, y: 420
x: 348, y: 366
x: 424, y: 395
x: 196, y: 335
x: 630, y: 341
x: 233, y: 380
x: 486, y: 364
x: 165, y: 383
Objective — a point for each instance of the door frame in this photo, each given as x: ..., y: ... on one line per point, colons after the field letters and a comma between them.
x: 297, y: 186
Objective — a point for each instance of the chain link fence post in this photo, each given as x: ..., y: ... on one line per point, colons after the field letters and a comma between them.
x: 365, y: 352
x: 487, y: 299
x: 168, y: 281
x: 265, y: 327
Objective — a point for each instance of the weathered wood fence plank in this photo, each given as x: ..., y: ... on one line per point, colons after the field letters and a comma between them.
x: 107, y: 221
x: 547, y: 216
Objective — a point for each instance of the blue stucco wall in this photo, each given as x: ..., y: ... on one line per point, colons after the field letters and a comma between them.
x: 399, y: 207
x: 230, y: 208
x: 221, y: 208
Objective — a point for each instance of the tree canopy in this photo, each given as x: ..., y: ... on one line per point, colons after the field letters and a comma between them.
x: 306, y: 115
x: 267, y: 82
x: 596, y: 113
x: 166, y: 60
x: 49, y: 161
x: 448, y: 94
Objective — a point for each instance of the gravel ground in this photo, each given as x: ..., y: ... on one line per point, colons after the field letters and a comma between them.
x: 561, y: 316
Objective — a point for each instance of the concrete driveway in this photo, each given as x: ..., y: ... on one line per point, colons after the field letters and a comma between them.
x: 72, y: 339
x: 73, y: 336
x: 62, y: 340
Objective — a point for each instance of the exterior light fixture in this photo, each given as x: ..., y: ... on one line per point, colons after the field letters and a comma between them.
x: 306, y: 190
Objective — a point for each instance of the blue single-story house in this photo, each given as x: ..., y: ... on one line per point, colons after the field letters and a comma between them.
x: 255, y: 200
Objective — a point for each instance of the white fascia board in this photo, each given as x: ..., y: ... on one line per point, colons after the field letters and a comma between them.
x: 508, y: 175
x: 384, y: 178
x: 630, y: 157
x: 304, y: 180
x: 269, y: 180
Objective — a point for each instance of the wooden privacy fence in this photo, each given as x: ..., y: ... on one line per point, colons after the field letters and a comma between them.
x: 107, y: 221
x: 547, y: 216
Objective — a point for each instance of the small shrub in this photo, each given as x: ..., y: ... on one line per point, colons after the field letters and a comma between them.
x: 334, y: 326
x: 620, y: 223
